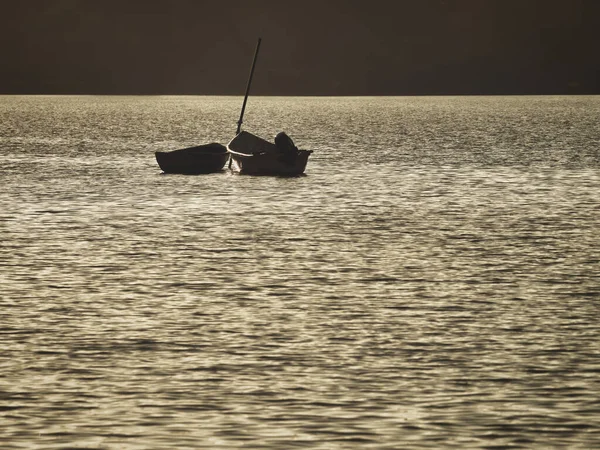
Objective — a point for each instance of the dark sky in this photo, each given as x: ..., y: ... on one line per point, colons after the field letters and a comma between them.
x: 325, y: 47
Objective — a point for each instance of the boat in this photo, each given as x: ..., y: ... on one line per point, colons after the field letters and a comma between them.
x: 247, y: 153
x: 207, y: 158
x: 253, y: 155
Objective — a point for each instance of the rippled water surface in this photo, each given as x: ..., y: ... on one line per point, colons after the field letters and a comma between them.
x: 432, y: 282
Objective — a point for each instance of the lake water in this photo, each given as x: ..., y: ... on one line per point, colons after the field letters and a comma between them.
x: 432, y: 282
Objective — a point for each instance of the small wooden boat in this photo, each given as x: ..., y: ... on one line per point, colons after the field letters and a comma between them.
x: 207, y: 158
x: 254, y: 156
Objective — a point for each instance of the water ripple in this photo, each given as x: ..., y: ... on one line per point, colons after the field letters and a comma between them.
x: 431, y: 283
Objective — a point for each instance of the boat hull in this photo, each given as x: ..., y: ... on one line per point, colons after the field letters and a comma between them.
x: 252, y: 155
x: 201, y: 159
x: 268, y: 164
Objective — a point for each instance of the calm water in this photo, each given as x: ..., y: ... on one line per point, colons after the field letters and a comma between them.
x: 432, y: 282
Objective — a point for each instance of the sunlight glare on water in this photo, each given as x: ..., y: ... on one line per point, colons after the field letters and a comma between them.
x: 432, y: 282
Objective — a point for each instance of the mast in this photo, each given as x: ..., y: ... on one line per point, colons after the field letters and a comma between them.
x: 239, y: 123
